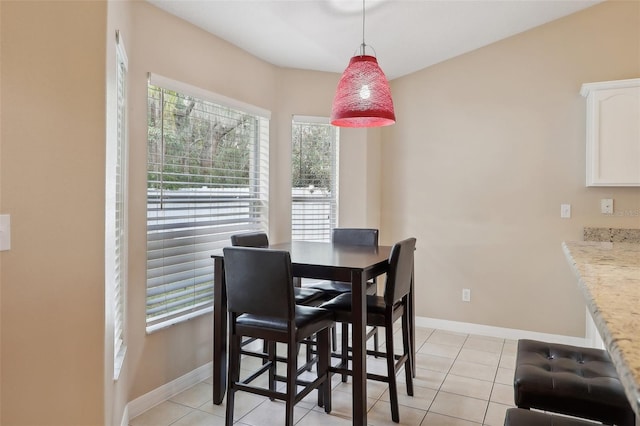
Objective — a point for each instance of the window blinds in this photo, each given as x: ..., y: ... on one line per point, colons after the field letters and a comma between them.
x: 207, y: 179
x: 120, y: 206
x: 314, y: 174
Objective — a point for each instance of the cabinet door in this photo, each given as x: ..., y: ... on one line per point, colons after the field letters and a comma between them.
x: 613, y: 137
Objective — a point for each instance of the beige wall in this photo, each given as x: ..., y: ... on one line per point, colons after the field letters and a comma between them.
x: 1, y: 211
x: 311, y: 93
x: 170, y: 47
x: 116, y: 392
x: 486, y: 148
x: 52, y: 176
x: 57, y: 63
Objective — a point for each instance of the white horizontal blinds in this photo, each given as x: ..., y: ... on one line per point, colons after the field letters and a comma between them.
x: 120, y: 204
x: 207, y: 179
x: 313, y: 179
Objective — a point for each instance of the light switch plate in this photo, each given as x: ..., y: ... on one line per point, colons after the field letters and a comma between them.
x: 5, y: 232
x: 565, y: 211
x: 606, y: 206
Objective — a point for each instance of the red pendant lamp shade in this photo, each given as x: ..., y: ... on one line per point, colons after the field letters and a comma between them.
x: 363, y: 97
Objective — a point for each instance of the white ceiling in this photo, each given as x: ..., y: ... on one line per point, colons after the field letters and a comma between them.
x: 407, y: 35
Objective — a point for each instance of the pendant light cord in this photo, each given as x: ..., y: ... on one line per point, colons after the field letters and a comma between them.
x: 363, y: 44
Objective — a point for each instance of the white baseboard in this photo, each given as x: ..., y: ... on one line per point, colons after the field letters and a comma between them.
x: 125, y: 416
x: 173, y: 388
x: 500, y: 332
x: 167, y: 391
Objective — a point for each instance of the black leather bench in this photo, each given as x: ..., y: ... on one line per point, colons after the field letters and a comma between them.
x: 522, y: 417
x: 572, y: 380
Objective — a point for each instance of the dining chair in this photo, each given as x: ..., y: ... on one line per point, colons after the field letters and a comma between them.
x: 383, y: 311
x: 304, y: 296
x: 269, y: 312
x: 366, y: 237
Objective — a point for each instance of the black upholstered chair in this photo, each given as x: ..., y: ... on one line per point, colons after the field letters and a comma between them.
x: 353, y: 237
x: 303, y: 296
x: 250, y: 239
x: 383, y: 311
x: 268, y: 311
x: 367, y: 237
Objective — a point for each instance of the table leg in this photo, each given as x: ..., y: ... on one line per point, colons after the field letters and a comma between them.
x: 412, y: 323
x: 219, y: 332
x: 359, y: 316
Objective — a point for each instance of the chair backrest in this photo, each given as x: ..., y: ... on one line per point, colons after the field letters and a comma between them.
x: 400, y: 273
x: 259, y: 281
x: 355, y: 236
x: 251, y: 239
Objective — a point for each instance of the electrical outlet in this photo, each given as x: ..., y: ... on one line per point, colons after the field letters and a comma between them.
x: 606, y: 206
x: 466, y: 295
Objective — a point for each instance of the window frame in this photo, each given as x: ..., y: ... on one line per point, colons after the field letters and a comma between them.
x: 333, y: 199
x: 116, y: 217
x: 257, y: 213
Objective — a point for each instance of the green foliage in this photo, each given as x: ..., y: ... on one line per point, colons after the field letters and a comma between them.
x: 312, y: 157
x: 193, y: 143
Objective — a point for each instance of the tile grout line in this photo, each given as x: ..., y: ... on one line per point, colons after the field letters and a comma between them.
x: 493, y: 384
x: 445, y: 378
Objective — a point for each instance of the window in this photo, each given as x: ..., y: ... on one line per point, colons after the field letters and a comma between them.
x: 314, y: 177
x: 116, y: 210
x: 207, y: 178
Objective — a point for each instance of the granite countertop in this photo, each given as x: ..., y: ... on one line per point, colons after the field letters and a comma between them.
x: 609, y: 277
x: 612, y: 235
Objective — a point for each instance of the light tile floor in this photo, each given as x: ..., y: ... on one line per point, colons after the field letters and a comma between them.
x: 461, y: 379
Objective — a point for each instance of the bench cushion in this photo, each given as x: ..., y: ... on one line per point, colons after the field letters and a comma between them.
x: 571, y: 380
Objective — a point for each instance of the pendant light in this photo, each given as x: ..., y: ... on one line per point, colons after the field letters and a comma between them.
x: 363, y: 96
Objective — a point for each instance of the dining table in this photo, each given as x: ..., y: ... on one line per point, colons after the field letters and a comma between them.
x: 324, y: 261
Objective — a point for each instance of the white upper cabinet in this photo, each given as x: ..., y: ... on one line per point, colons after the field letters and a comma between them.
x: 613, y: 132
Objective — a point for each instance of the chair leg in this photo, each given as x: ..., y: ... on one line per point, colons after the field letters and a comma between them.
x: 334, y: 338
x: 308, y: 346
x: 324, y: 353
x: 345, y: 349
x: 271, y: 351
x: 391, y: 362
x: 376, y: 347
x: 234, y: 376
x: 265, y: 350
x: 408, y: 349
x: 376, y: 343
x: 292, y: 367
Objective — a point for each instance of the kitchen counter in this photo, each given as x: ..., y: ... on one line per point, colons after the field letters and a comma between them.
x: 612, y: 235
x: 609, y: 277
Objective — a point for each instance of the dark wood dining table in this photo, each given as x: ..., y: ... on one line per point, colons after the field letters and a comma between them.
x: 319, y: 260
